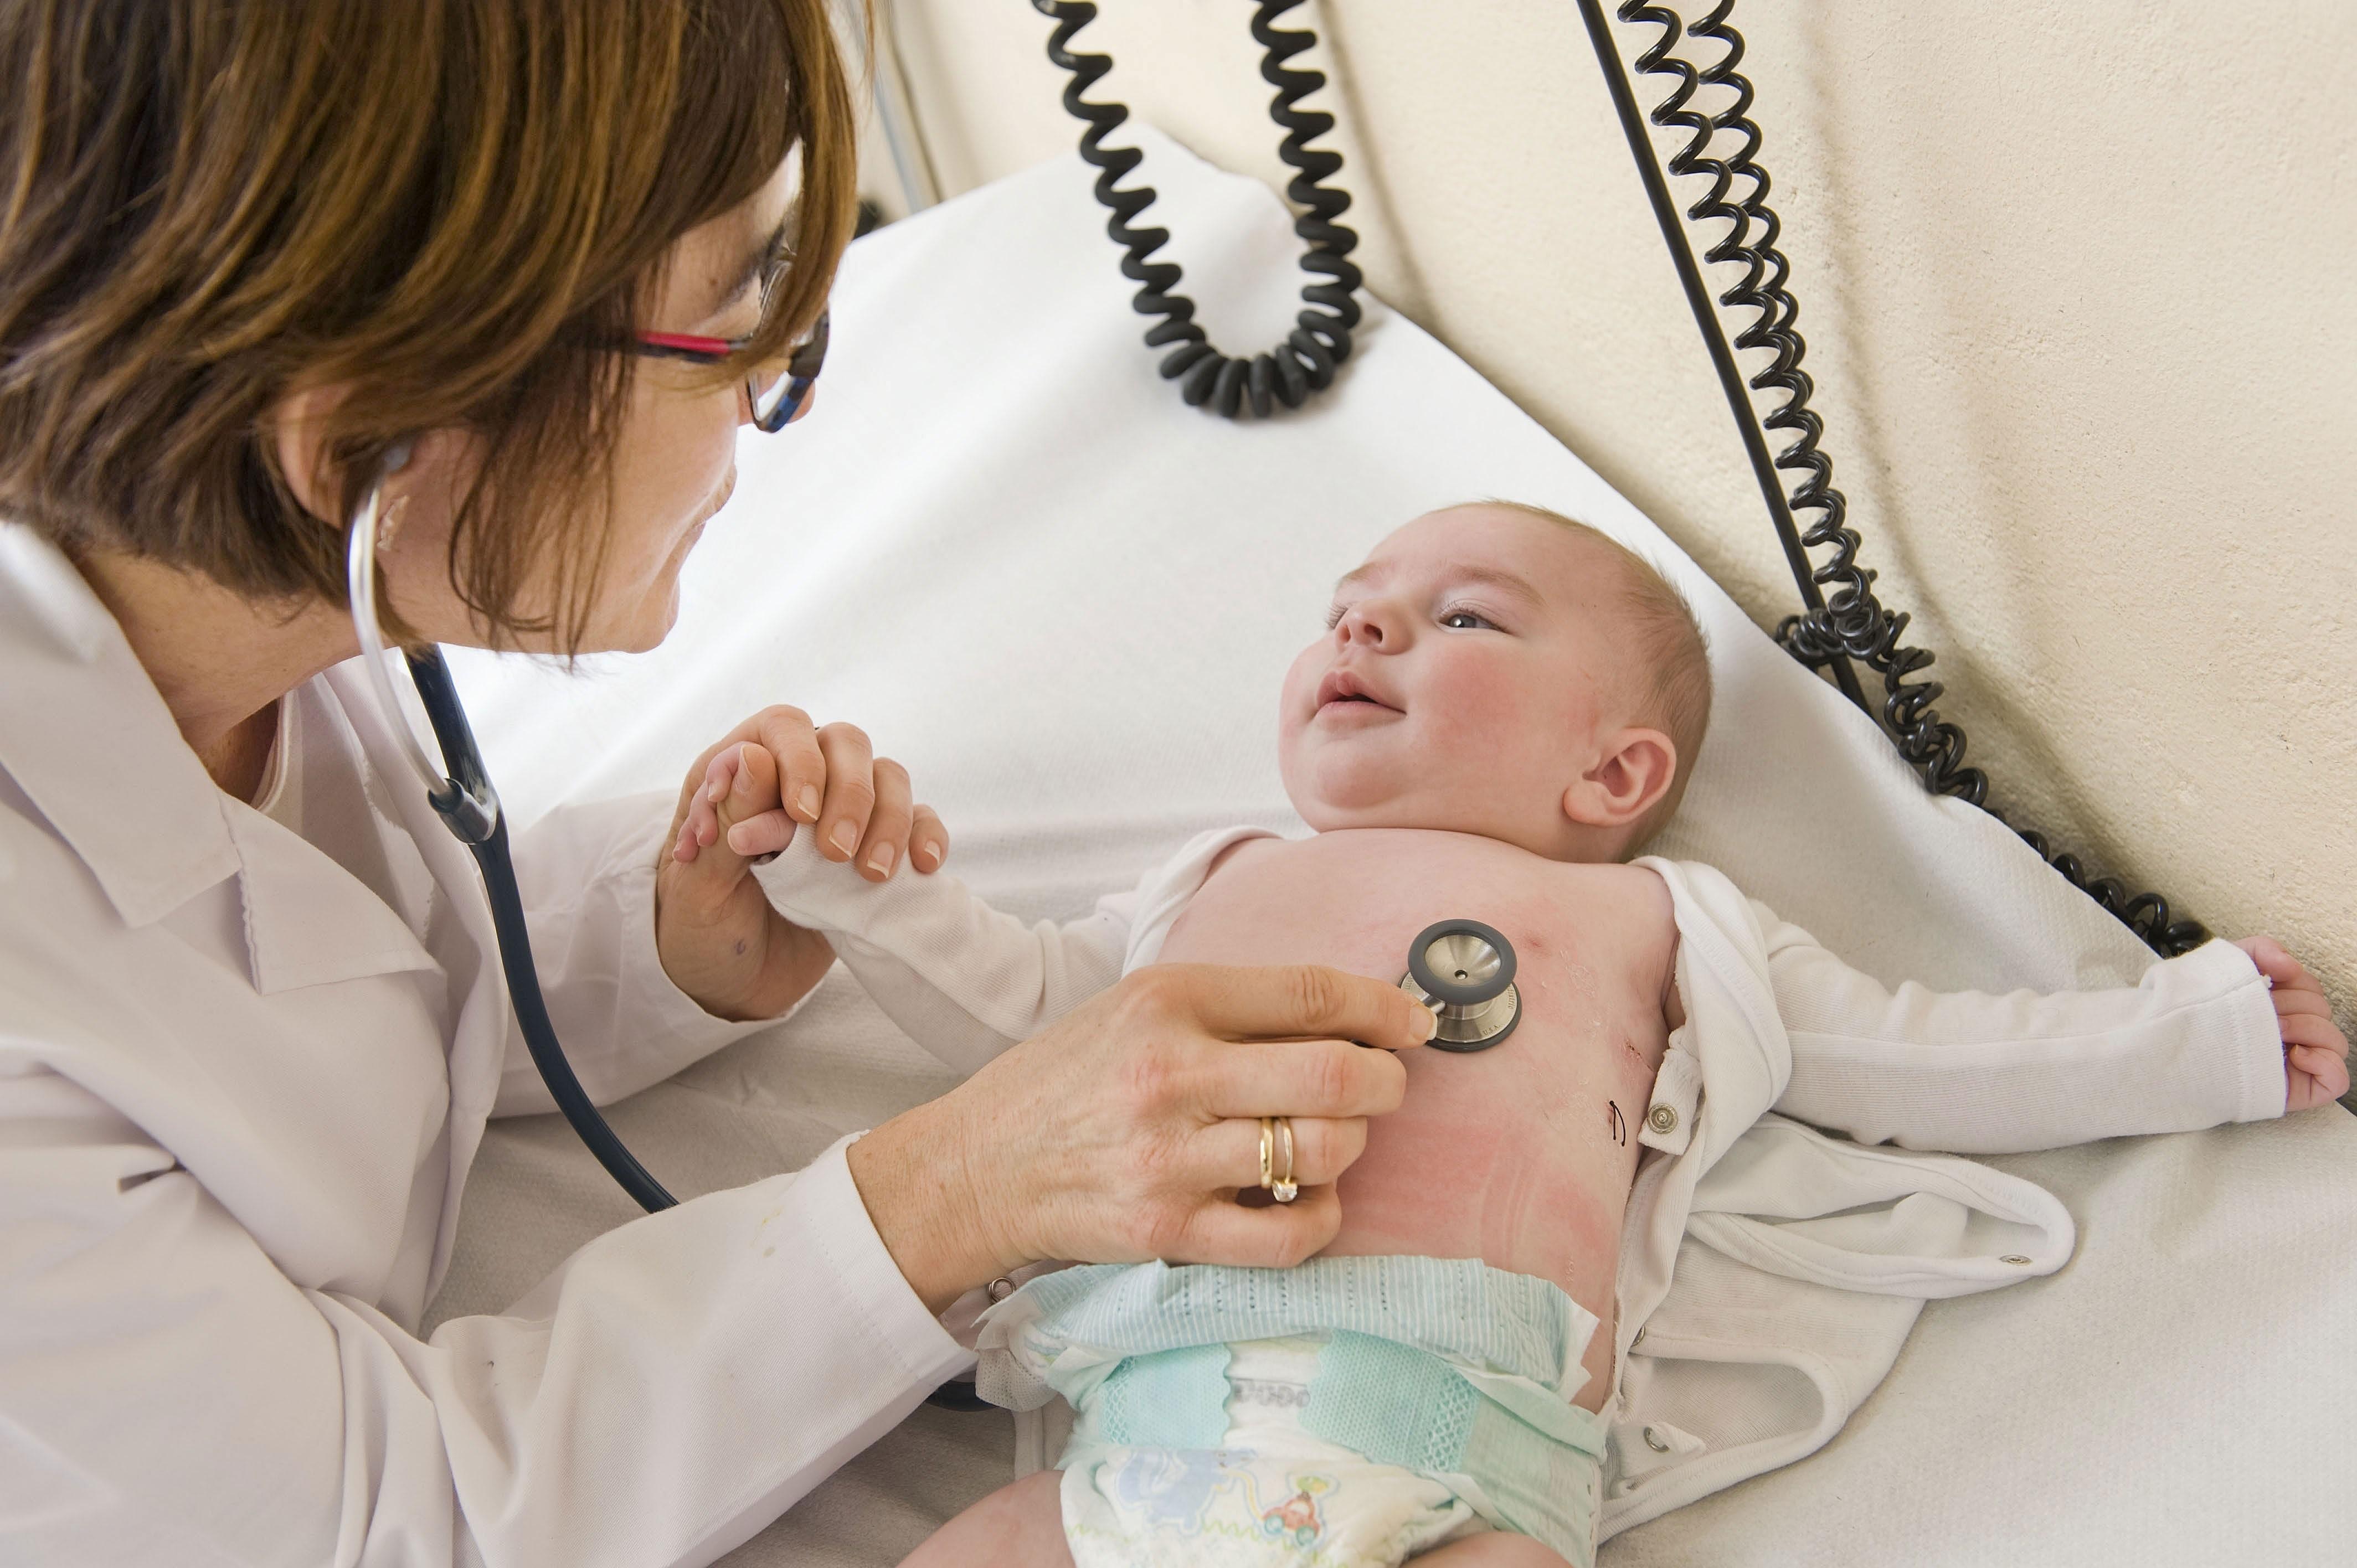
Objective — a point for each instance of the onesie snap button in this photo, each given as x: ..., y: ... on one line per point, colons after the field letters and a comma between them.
x: 2014, y: 1258
x: 1655, y: 1442
x: 1001, y: 1288
x: 1663, y: 1119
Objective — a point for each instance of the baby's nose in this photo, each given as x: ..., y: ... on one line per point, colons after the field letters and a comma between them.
x: 1358, y: 626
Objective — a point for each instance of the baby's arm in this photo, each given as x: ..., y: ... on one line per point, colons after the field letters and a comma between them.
x: 2195, y: 1042
x: 964, y: 980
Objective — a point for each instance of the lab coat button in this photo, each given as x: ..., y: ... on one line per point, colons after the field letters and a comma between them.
x: 1663, y: 1119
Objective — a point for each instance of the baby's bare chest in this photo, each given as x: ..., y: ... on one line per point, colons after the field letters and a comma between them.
x: 1593, y: 946
x: 1522, y: 1154
x: 1592, y: 943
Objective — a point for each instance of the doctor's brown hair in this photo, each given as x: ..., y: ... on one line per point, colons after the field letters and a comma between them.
x: 444, y: 206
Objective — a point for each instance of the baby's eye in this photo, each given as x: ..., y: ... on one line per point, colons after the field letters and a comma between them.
x: 1333, y: 618
x: 1466, y: 620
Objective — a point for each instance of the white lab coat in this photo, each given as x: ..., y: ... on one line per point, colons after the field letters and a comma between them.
x: 242, y: 1072
x: 1769, y: 1274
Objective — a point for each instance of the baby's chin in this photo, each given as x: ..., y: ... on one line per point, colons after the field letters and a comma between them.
x: 1332, y: 793
x: 1356, y: 796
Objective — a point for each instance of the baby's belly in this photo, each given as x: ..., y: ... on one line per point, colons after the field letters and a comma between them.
x: 1520, y: 1155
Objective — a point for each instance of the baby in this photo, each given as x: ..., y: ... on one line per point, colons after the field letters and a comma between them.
x: 1504, y: 707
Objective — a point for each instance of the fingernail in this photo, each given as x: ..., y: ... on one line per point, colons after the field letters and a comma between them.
x: 744, y: 780
x: 715, y: 791
x: 881, y: 861
x: 845, y: 837
x: 1427, y: 1024
x: 808, y: 801
x: 929, y: 850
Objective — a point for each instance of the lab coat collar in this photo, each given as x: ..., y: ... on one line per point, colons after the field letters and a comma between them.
x: 85, y: 735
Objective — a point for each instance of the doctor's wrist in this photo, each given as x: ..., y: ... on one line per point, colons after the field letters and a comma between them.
x: 915, y: 1178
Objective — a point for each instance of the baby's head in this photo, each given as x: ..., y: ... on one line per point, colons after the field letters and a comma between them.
x: 1496, y: 668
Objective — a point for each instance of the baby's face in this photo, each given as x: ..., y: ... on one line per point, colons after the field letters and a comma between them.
x: 1471, y: 672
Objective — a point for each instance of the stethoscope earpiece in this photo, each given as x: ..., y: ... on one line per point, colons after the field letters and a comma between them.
x: 1464, y: 971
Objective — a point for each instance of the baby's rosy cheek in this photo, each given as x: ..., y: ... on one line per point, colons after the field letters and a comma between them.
x: 1486, y: 699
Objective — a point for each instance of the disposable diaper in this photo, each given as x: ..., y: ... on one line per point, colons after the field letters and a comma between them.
x: 1352, y: 1411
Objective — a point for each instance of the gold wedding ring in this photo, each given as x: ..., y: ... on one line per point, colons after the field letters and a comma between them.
x: 1279, y: 1184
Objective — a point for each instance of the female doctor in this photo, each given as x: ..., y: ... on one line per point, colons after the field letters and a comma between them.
x: 252, y: 1019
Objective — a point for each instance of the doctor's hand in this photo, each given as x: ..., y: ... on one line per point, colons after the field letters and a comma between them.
x: 1124, y: 1131
x: 746, y: 796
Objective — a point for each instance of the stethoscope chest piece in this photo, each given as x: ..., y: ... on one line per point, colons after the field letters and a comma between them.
x: 1464, y: 971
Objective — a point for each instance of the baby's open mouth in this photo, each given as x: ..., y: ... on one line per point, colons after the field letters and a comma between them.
x: 1343, y: 691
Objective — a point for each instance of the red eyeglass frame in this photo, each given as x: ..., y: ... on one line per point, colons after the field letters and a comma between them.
x: 801, y: 374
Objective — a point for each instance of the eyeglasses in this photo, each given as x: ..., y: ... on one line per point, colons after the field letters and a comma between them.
x: 776, y: 392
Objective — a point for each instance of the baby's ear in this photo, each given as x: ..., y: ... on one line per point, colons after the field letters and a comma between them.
x: 1636, y: 770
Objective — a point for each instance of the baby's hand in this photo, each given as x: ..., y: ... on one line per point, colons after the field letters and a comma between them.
x: 2315, y: 1054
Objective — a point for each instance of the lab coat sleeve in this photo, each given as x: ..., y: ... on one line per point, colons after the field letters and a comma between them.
x: 586, y: 874
x: 167, y: 1394
x: 2193, y: 1044
x: 962, y: 980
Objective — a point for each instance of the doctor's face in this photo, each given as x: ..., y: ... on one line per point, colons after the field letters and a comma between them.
x: 674, y: 460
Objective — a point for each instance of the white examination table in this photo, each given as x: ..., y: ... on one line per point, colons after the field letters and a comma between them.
x: 1004, y: 547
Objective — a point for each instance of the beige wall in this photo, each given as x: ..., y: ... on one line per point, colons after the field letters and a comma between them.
x: 2080, y: 287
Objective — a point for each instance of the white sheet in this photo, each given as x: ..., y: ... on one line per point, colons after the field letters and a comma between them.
x: 1003, y: 547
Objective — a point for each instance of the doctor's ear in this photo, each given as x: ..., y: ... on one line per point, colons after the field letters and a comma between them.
x: 297, y: 431
x: 1636, y: 770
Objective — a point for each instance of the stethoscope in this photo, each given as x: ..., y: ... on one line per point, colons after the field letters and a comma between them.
x: 465, y: 799
x: 1462, y: 970
x: 470, y: 808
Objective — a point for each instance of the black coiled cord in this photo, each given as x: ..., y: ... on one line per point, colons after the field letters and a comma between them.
x: 1850, y: 622
x: 1304, y: 363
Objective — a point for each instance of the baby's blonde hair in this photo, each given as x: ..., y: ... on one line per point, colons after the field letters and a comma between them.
x: 1671, y: 657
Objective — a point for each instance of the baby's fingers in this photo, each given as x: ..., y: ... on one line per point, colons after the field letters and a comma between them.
x: 2293, y: 1002
x: 2316, y: 1077
x: 751, y: 817
x: 2312, y: 1029
x: 2280, y: 968
x: 700, y: 824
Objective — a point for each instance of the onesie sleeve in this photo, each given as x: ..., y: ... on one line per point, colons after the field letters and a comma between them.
x: 962, y: 980
x: 2193, y: 1044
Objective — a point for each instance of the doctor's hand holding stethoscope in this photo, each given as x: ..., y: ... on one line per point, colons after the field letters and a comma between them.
x: 1119, y: 1134
x: 469, y: 305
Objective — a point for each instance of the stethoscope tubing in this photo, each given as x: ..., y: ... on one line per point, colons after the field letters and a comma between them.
x: 469, y: 807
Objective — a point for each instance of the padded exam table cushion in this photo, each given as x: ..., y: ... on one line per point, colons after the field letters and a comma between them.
x: 1003, y: 547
